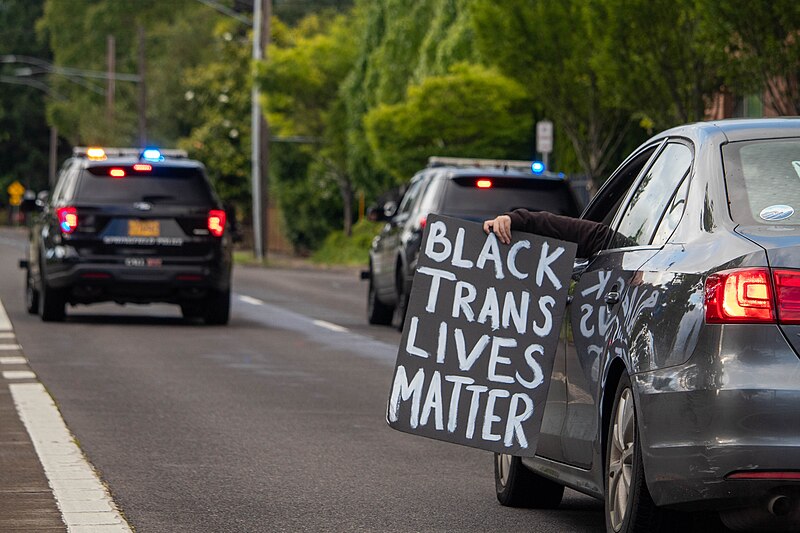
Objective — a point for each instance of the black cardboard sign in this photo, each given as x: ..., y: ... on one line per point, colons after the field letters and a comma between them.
x: 480, y: 337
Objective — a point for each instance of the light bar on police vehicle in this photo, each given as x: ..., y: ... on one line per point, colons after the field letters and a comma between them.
x: 98, y: 154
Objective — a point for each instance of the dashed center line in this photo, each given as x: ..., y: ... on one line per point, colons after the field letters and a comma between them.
x: 250, y: 300
x: 330, y: 326
x: 9, y: 347
x: 18, y: 374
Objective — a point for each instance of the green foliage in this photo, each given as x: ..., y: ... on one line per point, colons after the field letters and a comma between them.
x: 339, y: 249
x: 24, y: 136
x: 471, y: 112
x: 221, y: 110
x: 762, y: 49
x: 657, y: 58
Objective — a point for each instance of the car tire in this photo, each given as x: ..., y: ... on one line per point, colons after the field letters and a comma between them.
x: 629, y: 508
x: 402, y: 291
x: 518, y: 486
x: 31, y: 294
x: 52, y: 303
x: 218, y: 308
x: 191, y: 310
x: 378, y: 313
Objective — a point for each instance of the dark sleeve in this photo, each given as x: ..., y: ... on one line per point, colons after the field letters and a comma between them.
x: 591, y: 237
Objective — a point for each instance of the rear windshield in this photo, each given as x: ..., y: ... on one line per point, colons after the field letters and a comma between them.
x: 763, y: 181
x: 479, y: 197
x: 160, y: 185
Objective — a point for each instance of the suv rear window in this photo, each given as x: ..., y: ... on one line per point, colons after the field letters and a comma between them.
x: 763, y: 181
x: 161, y: 185
x: 487, y: 196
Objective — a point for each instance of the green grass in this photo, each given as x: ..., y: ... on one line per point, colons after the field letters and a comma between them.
x: 352, y: 251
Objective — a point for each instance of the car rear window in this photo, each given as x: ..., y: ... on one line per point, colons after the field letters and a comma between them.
x: 763, y: 181
x: 480, y: 197
x: 159, y: 185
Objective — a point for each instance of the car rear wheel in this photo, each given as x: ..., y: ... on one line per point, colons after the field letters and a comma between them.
x: 31, y: 294
x: 52, y: 304
x: 629, y: 507
x: 517, y: 486
x: 377, y: 312
x: 218, y: 308
x: 402, y: 289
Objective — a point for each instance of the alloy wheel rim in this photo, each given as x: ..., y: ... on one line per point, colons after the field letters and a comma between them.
x: 503, y: 468
x: 620, y: 463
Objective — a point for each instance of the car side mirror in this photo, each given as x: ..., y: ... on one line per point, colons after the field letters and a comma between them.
x: 389, y: 209
x: 42, y: 198
x: 233, y: 222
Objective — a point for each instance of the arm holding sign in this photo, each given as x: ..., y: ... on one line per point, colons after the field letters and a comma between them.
x: 590, y: 236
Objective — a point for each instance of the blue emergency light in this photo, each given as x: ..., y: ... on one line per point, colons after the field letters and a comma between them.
x: 152, y: 154
x: 537, y: 167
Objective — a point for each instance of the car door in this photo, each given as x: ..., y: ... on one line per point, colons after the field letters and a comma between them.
x: 388, y: 242
x: 609, y: 289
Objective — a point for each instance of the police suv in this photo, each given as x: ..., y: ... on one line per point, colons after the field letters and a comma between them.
x: 130, y: 226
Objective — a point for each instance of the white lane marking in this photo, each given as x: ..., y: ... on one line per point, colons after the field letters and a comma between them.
x: 7, y: 335
x: 84, y: 502
x: 10, y: 347
x: 5, y: 323
x: 12, y: 361
x: 250, y: 300
x: 333, y: 327
x: 18, y: 374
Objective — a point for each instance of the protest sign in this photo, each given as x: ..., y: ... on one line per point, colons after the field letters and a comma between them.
x: 480, y: 337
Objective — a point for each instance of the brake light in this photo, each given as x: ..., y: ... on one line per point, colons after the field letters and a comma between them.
x: 142, y: 167
x: 739, y: 296
x: 216, y: 222
x: 116, y: 173
x: 787, y: 291
x: 67, y: 219
x: 484, y: 184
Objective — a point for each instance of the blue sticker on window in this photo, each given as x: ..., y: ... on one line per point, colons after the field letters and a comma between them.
x: 776, y: 212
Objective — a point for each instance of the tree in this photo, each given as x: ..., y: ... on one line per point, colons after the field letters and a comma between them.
x: 470, y: 112
x: 658, y: 58
x: 761, y: 43
x: 544, y: 45
x: 24, y: 136
x: 301, y: 80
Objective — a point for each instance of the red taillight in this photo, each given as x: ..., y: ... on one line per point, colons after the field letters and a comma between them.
x: 484, y: 184
x: 216, y: 222
x: 423, y: 221
x: 142, y: 167
x: 67, y: 219
x: 116, y: 173
x: 787, y: 292
x: 739, y: 296
x: 765, y: 475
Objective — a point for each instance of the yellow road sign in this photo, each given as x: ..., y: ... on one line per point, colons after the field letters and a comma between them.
x: 15, y: 192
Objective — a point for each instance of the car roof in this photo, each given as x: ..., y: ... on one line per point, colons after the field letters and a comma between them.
x: 737, y: 129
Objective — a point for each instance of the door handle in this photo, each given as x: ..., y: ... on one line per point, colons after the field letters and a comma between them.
x: 612, y: 298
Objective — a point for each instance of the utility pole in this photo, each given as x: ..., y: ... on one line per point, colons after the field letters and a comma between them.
x: 262, y: 13
x: 111, y: 62
x: 142, y: 90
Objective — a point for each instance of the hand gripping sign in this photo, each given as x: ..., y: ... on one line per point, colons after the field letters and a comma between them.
x: 480, y: 337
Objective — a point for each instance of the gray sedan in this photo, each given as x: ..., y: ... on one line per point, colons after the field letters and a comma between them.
x: 677, y: 381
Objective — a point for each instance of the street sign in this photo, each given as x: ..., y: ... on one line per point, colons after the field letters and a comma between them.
x: 544, y: 136
x: 15, y: 192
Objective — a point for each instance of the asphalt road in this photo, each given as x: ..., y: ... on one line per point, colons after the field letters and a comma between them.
x: 273, y: 423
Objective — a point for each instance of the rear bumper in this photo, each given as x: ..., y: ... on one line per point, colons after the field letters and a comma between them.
x: 90, y: 282
x: 733, y: 407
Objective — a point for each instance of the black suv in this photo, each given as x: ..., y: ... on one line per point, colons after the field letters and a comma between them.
x: 130, y: 226
x: 471, y: 189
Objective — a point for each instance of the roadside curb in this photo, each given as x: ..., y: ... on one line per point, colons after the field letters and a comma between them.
x: 46, y: 483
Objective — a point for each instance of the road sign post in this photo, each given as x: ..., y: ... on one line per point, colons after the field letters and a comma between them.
x: 544, y: 140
